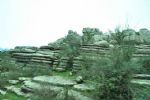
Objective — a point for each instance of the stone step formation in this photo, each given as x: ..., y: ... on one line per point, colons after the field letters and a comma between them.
x: 49, y: 55
x: 43, y: 55
x: 92, y: 50
x: 101, y: 45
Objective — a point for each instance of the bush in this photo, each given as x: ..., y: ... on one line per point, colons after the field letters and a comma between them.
x: 35, y: 69
x: 112, y: 73
x: 8, y: 69
x: 46, y: 93
x: 71, y: 45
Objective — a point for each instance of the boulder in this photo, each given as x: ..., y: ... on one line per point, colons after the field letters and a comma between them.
x: 16, y: 91
x: 79, y: 79
x: 2, y: 92
x: 13, y: 82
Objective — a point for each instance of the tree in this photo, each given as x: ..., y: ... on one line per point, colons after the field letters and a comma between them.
x: 71, y: 45
x: 88, y: 35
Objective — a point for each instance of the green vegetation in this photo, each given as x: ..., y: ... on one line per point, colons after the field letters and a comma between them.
x: 71, y: 45
x: 11, y: 96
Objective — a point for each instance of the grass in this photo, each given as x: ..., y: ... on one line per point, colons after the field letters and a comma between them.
x: 11, y: 96
x: 141, y: 92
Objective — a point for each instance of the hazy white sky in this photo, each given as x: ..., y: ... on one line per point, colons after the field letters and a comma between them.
x: 38, y: 22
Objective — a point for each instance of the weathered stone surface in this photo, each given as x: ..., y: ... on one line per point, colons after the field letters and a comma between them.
x: 32, y: 55
x: 141, y: 82
x: 79, y: 79
x: 55, y: 80
x: 26, y: 47
x: 2, y: 92
x: 142, y: 76
x: 24, y: 79
x: 22, y: 51
x: 13, y: 81
x: 29, y: 86
x: 84, y: 87
x: 43, y: 55
x: 16, y: 91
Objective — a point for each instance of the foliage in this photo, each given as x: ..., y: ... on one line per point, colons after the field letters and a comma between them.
x: 145, y: 64
x: 35, y: 69
x: 119, y: 35
x: 112, y: 73
x: 8, y: 69
x: 71, y: 45
x: 88, y: 35
x: 141, y: 92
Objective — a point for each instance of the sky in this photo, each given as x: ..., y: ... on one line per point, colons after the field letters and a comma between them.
x: 38, y: 22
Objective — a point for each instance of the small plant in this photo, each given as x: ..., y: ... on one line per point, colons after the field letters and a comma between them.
x: 46, y: 93
x: 35, y: 69
x: 43, y: 93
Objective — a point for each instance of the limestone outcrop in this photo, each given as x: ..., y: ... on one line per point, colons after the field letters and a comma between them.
x: 94, y: 43
x: 43, y: 54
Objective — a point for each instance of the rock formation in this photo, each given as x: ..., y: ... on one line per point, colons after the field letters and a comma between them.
x: 93, y: 43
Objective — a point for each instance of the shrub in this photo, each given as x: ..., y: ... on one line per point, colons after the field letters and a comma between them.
x: 35, y: 69
x: 112, y: 73
x: 71, y: 45
x: 46, y: 93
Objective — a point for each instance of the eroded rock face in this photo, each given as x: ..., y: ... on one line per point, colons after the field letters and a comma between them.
x: 33, y: 54
x: 57, y: 84
x: 13, y: 81
x: 16, y: 90
x: 100, y: 44
x: 55, y: 80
